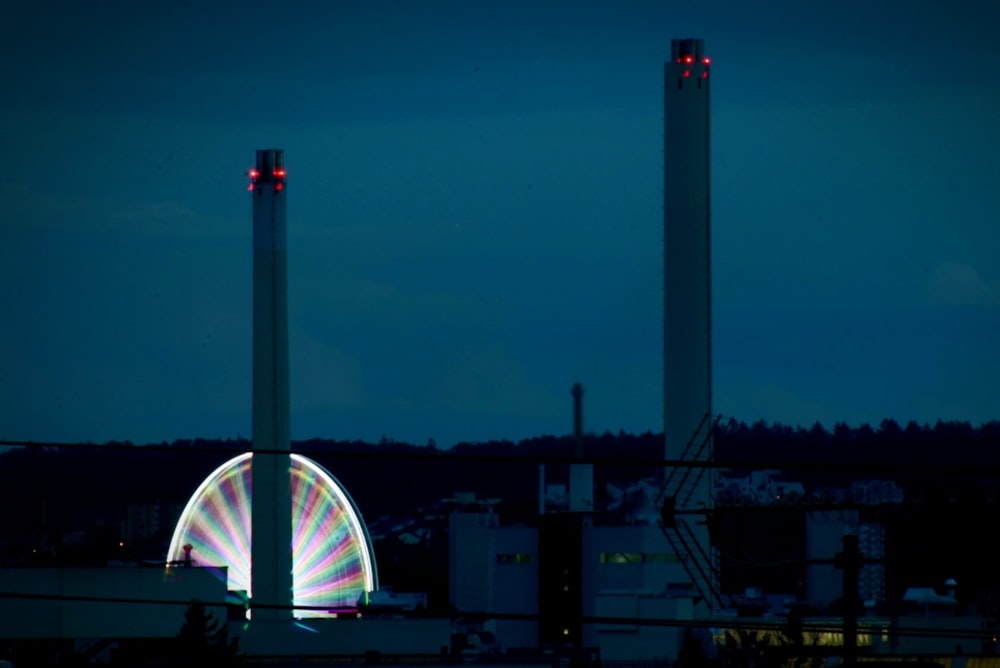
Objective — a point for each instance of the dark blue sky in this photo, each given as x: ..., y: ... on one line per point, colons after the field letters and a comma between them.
x: 474, y: 213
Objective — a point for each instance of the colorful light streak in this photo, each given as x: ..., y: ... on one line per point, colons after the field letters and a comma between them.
x: 332, y: 557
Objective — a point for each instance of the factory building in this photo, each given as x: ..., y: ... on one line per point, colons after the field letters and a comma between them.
x: 566, y: 582
x: 590, y: 578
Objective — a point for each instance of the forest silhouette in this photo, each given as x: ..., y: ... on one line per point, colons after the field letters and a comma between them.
x: 74, y: 498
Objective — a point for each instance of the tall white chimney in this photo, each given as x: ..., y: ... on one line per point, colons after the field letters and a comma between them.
x: 271, y: 510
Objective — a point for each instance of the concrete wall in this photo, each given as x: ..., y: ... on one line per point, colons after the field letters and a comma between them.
x: 970, y: 634
x: 515, y: 585
x: 54, y: 604
x: 471, y: 560
x: 637, y: 558
x: 347, y: 637
x: 824, y: 533
x: 625, y: 572
x: 638, y: 642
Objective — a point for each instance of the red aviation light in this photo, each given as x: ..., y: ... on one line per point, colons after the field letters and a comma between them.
x: 278, y: 186
x: 254, y: 174
x: 279, y: 173
x: 689, y: 59
x: 687, y: 73
x: 706, y: 60
x: 704, y: 75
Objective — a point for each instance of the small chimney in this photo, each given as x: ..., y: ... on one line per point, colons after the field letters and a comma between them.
x: 541, y: 489
x: 577, y: 421
x: 581, y: 476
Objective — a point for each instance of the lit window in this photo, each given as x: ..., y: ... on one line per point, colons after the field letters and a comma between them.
x: 637, y: 558
x: 522, y: 558
x: 620, y: 558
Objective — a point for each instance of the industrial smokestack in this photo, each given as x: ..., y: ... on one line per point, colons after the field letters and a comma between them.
x: 687, y: 342
x: 271, y: 530
x: 581, y: 476
x: 687, y: 337
x: 541, y: 489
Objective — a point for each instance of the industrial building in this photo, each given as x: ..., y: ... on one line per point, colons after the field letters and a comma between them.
x: 554, y: 580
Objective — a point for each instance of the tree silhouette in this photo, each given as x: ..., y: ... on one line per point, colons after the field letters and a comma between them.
x: 785, y: 648
x: 203, y: 640
x: 696, y: 650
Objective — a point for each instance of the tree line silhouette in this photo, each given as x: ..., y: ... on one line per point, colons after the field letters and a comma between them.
x: 948, y: 471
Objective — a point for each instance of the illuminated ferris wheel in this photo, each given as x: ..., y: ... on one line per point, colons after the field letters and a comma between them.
x: 333, y: 563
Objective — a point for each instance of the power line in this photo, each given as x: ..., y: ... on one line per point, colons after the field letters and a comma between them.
x: 882, y: 626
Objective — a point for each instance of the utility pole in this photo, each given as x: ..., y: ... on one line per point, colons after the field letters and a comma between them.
x: 850, y: 562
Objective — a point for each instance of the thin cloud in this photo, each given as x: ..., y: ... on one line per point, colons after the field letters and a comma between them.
x: 961, y: 284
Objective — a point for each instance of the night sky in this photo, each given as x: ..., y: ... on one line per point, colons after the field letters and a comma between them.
x: 475, y: 194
